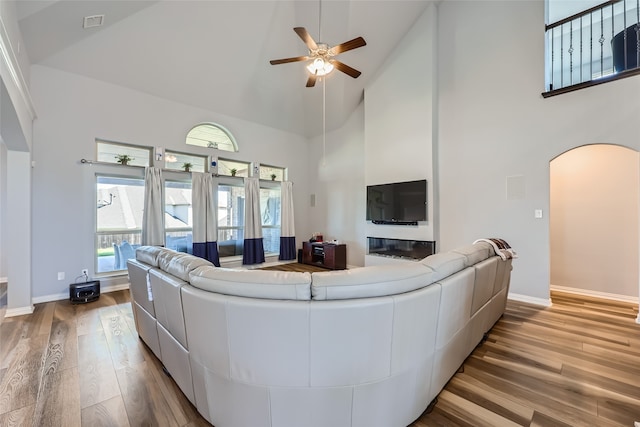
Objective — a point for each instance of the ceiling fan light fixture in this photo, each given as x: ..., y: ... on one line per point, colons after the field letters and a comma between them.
x: 320, y: 67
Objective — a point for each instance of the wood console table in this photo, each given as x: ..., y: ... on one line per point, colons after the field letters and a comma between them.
x: 326, y: 255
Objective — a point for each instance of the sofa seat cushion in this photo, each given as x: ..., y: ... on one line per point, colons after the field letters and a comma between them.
x: 444, y: 264
x: 265, y: 284
x: 373, y: 281
x: 180, y: 264
x: 149, y: 254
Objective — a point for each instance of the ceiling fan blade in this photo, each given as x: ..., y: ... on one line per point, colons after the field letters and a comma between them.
x: 351, y: 44
x: 287, y: 60
x: 345, y: 68
x: 306, y: 38
x: 311, y: 82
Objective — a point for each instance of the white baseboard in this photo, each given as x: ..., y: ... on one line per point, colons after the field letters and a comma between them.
x: 19, y: 311
x: 530, y: 300
x: 596, y: 294
x: 65, y: 295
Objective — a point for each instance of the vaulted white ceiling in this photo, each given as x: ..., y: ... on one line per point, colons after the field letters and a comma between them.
x: 215, y: 54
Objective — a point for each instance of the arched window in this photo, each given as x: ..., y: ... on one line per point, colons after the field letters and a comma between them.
x: 211, y: 135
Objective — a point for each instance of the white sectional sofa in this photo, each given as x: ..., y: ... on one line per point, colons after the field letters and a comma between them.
x: 370, y: 346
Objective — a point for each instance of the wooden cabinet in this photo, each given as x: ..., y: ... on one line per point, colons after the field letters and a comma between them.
x: 325, y: 255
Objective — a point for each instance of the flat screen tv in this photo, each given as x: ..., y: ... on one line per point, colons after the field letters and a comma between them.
x: 402, y: 203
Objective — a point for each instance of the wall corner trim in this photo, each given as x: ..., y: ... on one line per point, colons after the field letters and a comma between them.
x: 595, y: 294
x: 530, y: 300
x: 65, y: 295
x: 19, y: 311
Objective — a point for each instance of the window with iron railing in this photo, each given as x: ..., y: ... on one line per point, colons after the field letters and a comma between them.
x: 593, y: 46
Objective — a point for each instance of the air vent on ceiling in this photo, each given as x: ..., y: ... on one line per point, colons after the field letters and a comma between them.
x: 93, y: 21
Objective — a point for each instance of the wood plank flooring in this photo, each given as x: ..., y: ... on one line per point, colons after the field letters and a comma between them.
x: 574, y: 364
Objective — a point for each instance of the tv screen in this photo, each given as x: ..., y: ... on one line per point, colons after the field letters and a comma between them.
x: 398, y: 202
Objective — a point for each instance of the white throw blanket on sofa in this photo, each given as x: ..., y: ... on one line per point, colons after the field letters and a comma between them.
x: 502, y: 248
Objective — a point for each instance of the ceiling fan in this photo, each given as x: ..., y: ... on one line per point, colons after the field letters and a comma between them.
x: 321, y: 57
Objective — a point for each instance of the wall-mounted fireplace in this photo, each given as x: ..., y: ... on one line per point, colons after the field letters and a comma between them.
x: 400, y: 248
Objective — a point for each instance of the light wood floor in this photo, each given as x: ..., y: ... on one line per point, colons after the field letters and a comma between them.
x: 575, y: 364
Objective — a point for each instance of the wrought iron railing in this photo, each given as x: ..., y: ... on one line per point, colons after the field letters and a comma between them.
x: 594, y: 46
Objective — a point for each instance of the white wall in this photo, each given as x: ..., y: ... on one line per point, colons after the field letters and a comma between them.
x: 494, y: 123
x: 73, y: 112
x: 3, y: 212
x: 593, y: 219
x: 399, y: 123
x: 337, y: 181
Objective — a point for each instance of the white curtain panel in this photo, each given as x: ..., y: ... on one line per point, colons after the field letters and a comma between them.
x: 287, y: 223
x: 205, y: 227
x: 253, y: 252
x: 287, y: 232
x: 153, y: 214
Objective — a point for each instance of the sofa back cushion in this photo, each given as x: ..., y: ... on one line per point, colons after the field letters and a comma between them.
x: 149, y: 254
x: 265, y: 284
x: 444, y: 264
x: 475, y: 253
x: 373, y: 281
x: 180, y: 264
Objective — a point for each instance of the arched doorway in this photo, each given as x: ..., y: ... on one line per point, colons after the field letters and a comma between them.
x: 594, y: 221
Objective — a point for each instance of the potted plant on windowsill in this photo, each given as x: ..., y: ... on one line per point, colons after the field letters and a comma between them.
x: 273, y: 177
x: 123, y: 159
x: 233, y: 171
x: 187, y: 167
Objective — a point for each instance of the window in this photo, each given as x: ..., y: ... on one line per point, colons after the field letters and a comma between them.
x: 120, y: 203
x: 270, y: 213
x: 233, y: 168
x: 211, y: 135
x: 178, y: 216
x: 184, y: 162
x: 125, y: 154
x: 231, y: 203
x: 230, y: 220
x: 272, y: 173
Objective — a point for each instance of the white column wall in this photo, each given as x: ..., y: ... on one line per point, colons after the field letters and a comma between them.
x: 399, y: 123
x: 18, y: 233
x: 3, y: 212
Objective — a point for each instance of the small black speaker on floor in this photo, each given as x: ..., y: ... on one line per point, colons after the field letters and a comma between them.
x: 299, y: 256
x: 80, y: 293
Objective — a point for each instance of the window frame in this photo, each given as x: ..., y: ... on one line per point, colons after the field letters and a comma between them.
x: 125, y: 146
x: 111, y: 232
x: 264, y: 166
x: 224, y: 130
x: 188, y: 230
x: 223, y: 160
x: 203, y: 157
